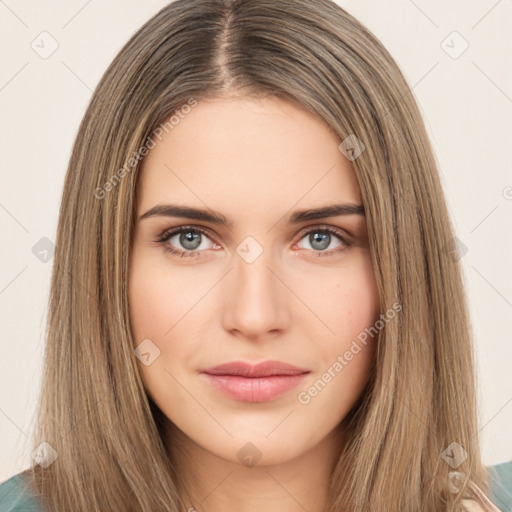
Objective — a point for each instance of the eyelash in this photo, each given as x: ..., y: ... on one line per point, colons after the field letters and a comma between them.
x: 169, y: 233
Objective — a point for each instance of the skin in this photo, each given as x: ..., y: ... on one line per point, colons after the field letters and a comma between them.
x: 256, y: 162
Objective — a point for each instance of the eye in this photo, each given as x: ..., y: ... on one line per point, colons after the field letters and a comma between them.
x: 193, y: 241
x: 320, y: 238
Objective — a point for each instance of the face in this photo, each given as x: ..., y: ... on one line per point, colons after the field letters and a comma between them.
x: 262, y: 283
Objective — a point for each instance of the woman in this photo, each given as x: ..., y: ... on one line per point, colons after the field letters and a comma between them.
x: 256, y: 303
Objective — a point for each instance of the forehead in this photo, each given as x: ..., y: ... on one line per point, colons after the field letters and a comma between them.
x: 235, y: 154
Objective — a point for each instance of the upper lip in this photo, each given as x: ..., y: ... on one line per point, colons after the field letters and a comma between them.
x: 264, y: 369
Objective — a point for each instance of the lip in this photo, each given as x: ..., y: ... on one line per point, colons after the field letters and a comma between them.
x: 264, y: 369
x: 255, y: 382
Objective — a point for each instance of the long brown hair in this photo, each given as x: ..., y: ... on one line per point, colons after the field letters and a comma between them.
x: 420, y: 398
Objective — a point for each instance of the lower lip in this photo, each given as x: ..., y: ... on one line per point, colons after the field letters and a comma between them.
x: 260, y: 389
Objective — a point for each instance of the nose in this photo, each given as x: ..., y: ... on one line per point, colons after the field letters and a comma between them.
x: 256, y: 304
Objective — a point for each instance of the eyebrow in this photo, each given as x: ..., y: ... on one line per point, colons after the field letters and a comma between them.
x: 169, y: 210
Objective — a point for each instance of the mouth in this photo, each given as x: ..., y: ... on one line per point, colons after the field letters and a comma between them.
x: 255, y: 383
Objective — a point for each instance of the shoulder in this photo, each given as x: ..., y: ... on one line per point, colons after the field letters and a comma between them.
x: 15, y: 496
x: 500, y: 477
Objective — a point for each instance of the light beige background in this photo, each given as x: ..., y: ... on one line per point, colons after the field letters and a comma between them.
x: 466, y: 102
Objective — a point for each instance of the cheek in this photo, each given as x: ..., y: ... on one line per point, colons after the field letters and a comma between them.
x: 148, y: 302
x: 160, y: 298
x: 359, y: 310
x: 166, y: 307
x: 357, y: 302
x: 155, y: 307
x: 361, y: 297
x: 348, y: 306
x: 346, y: 302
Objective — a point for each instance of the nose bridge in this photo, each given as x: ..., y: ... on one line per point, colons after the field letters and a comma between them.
x: 252, y: 270
x: 255, y: 301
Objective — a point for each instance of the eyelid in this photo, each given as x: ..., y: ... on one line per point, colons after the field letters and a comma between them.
x: 324, y: 227
x: 169, y: 232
